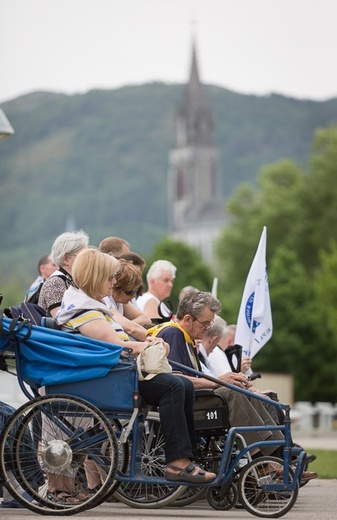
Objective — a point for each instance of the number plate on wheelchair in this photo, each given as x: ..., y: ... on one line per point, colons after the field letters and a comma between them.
x: 210, y: 413
x: 209, y: 419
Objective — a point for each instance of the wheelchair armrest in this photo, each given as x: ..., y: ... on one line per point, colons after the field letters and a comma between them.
x: 272, y: 395
x: 50, y: 323
x: 126, y: 354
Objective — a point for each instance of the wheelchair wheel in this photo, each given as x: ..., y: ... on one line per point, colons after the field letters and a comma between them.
x: 52, y: 449
x: 256, y: 498
x: 150, y: 496
x: 223, y: 497
x: 190, y: 495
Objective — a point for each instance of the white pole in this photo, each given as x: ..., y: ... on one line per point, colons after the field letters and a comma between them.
x: 215, y: 287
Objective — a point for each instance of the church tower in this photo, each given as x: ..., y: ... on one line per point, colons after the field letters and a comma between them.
x: 196, y: 207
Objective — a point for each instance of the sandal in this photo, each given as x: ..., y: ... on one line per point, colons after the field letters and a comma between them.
x: 60, y: 496
x: 187, y: 474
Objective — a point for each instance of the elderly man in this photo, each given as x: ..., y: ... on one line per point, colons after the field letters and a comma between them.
x: 160, y: 279
x: 195, y: 315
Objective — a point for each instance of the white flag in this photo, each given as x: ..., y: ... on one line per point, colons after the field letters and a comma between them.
x: 254, y: 326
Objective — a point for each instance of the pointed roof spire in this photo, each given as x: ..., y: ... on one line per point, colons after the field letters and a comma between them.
x: 193, y: 110
x: 194, y: 94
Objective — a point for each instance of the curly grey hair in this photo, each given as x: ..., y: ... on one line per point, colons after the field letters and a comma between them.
x: 68, y: 244
x: 194, y: 302
x: 217, y: 328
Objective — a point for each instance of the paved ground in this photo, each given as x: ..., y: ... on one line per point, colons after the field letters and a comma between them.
x: 316, y: 500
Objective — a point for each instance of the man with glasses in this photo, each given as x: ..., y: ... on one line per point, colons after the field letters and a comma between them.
x: 195, y: 315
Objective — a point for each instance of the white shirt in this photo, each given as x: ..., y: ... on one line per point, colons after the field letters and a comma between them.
x: 110, y: 302
x: 144, y: 299
x: 218, y: 362
x: 206, y: 368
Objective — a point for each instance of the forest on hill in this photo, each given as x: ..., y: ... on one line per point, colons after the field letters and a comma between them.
x: 99, y: 160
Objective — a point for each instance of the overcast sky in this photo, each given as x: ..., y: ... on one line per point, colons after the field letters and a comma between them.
x: 249, y: 46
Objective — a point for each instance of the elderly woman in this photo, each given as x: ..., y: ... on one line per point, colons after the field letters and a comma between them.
x: 63, y: 253
x: 83, y: 308
x: 132, y: 319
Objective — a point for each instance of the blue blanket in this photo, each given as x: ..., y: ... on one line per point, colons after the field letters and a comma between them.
x: 50, y: 356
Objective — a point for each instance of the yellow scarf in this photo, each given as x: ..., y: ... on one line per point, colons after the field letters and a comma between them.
x: 154, y: 331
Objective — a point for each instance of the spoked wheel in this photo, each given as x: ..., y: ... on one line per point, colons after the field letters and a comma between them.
x: 190, y: 495
x: 150, y: 496
x: 223, y: 497
x: 255, y: 494
x: 61, y: 451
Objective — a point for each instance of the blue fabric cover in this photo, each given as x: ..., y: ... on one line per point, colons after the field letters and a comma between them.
x: 50, y: 356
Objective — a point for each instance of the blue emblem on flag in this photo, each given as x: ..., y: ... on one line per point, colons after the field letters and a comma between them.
x: 249, y: 313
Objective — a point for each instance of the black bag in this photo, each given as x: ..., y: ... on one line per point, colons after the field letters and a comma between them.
x: 25, y: 311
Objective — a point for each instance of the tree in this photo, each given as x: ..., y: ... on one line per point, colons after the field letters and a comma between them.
x: 272, y: 203
x: 296, y: 345
x: 299, y: 209
x: 319, y: 199
x: 326, y: 285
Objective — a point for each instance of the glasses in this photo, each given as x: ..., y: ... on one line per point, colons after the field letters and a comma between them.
x: 206, y: 324
x: 130, y: 293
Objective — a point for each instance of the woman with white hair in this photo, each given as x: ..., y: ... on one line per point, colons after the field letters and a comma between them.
x: 63, y: 253
x: 159, y: 279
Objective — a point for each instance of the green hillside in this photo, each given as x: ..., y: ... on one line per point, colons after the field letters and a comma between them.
x: 100, y: 160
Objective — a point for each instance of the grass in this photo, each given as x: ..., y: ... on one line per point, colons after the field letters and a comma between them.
x: 325, y: 464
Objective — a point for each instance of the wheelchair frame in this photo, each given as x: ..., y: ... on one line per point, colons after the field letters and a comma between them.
x: 112, y: 403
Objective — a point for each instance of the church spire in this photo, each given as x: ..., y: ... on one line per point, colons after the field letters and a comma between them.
x: 194, y: 188
x: 194, y: 89
x: 195, y: 119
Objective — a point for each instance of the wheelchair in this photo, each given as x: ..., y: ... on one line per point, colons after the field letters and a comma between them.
x: 96, y: 429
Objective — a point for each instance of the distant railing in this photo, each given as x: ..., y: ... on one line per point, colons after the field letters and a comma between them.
x: 308, y: 417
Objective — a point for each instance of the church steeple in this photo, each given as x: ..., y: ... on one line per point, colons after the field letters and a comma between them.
x: 194, y: 187
x: 194, y: 118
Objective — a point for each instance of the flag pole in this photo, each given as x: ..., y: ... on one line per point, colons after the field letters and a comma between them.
x: 215, y: 287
